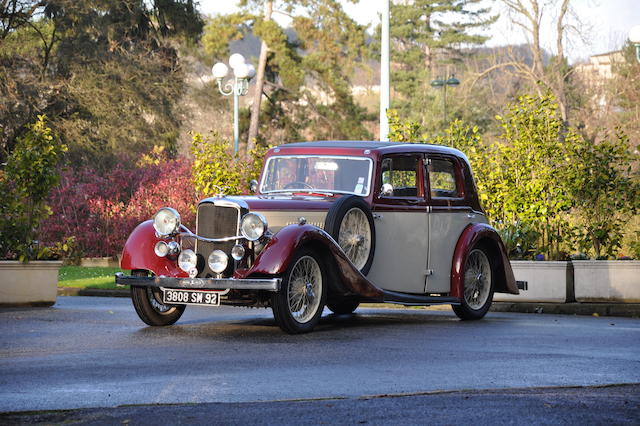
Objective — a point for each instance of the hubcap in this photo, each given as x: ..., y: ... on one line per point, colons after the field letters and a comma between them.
x: 305, y: 289
x: 477, y: 279
x: 355, y: 237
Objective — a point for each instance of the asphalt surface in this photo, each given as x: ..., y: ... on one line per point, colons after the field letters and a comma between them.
x: 89, y: 352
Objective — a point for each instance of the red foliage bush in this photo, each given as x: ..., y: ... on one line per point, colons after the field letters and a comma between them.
x: 101, y: 211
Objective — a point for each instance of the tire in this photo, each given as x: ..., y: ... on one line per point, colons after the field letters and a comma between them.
x: 478, y: 286
x: 344, y: 306
x: 148, y: 304
x: 350, y: 223
x: 298, y: 305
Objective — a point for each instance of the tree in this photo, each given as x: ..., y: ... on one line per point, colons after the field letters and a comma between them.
x: 425, y: 33
x: 89, y: 65
x: 529, y: 16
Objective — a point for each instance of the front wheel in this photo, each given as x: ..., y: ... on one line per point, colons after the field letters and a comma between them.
x: 298, y: 305
x: 477, y: 287
x: 148, y: 304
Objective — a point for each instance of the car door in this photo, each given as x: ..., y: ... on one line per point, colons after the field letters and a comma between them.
x: 402, y: 227
x: 448, y: 215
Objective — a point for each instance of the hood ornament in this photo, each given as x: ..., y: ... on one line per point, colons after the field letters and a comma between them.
x: 220, y: 189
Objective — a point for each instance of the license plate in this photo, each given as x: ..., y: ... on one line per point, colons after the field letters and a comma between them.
x: 190, y: 297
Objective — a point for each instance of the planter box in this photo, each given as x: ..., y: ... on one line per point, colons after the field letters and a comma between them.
x: 103, y: 262
x: 547, y: 281
x: 34, y: 283
x: 607, y: 280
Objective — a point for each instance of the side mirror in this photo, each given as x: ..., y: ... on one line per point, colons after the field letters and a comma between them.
x: 253, y: 186
x: 386, y: 190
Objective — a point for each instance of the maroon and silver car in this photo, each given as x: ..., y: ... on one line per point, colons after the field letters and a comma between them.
x: 333, y: 224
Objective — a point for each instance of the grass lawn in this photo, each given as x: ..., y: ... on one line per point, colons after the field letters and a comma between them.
x: 80, y: 276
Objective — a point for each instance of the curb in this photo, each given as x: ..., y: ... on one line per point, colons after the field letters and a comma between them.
x: 95, y: 292
x: 631, y: 310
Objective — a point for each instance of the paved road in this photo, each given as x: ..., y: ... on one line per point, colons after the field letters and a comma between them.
x: 95, y: 352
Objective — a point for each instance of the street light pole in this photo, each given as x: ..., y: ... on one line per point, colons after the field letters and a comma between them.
x: 236, y: 86
x: 452, y: 81
x: 384, y: 73
x: 634, y: 38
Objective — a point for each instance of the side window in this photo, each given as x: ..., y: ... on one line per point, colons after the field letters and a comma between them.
x: 400, y: 173
x: 442, y: 179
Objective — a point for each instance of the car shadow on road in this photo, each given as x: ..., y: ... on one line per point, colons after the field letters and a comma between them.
x: 330, y: 326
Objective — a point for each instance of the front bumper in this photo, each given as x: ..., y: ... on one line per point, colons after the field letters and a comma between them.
x: 267, y: 284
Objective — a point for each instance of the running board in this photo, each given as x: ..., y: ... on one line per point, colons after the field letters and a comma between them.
x: 416, y: 299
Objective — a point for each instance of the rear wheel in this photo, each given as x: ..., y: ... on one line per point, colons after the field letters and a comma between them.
x: 298, y: 305
x: 148, y: 304
x: 477, y: 287
x: 343, y: 306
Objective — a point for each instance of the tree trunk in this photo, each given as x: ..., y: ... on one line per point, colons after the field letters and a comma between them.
x: 257, y: 93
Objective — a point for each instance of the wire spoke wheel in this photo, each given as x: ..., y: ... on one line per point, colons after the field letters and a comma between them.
x: 349, y: 221
x: 477, y: 279
x: 354, y: 237
x: 148, y: 304
x: 305, y: 289
x: 477, y: 286
x: 299, y: 303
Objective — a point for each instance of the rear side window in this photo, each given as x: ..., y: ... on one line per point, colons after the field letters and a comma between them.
x: 442, y: 178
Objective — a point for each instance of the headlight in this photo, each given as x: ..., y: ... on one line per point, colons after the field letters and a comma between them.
x: 253, y: 226
x: 166, y: 221
x: 188, y: 262
x: 218, y: 261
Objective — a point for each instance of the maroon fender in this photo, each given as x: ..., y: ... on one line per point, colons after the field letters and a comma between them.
x: 482, y: 233
x: 138, y: 253
x: 277, y: 254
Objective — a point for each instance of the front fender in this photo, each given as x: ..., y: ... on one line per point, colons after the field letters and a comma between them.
x: 481, y: 233
x: 277, y: 254
x: 138, y: 253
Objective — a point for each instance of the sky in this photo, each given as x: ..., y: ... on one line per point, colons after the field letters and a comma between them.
x: 606, y: 23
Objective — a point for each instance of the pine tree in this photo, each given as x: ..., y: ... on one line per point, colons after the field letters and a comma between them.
x: 426, y: 35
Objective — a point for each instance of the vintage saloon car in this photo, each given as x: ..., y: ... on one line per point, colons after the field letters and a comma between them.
x: 332, y: 224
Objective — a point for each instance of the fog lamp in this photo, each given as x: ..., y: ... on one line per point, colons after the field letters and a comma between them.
x: 218, y: 261
x: 188, y: 261
x: 161, y: 249
x: 237, y: 252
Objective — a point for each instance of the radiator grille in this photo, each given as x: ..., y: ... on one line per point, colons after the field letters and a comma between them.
x: 215, y: 222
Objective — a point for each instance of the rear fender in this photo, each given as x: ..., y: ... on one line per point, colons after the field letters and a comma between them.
x: 485, y: 235
x: 138, y: 253
x: 279, y: 251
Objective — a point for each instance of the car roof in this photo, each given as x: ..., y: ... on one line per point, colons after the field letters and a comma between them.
x: 382, y: 147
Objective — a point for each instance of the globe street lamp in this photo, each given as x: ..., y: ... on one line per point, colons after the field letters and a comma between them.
x: 441, y: 82
x: 236, y: 86
x: 634, y: 38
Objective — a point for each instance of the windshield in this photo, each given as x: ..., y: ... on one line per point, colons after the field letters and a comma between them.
x: 306, y: 173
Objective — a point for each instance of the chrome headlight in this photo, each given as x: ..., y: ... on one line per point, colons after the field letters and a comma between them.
x: 253, y: 226
x: 188, y: 262
x: 218, y: 261
x: 166, y: 221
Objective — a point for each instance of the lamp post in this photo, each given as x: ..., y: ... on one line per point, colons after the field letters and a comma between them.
x: 634, y: 38
x: 444, y: 82
x: 384, y: 72
x: 237, y: 86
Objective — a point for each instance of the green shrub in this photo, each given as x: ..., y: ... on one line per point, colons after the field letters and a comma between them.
x: 30, y: 174
x: 216, y: 169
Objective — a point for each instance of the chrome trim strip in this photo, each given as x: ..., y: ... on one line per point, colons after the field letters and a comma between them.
x: 209, y: 240
x: 272, y: 284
